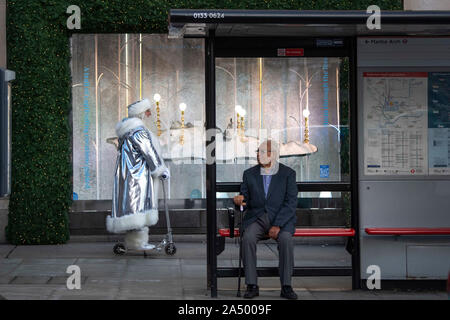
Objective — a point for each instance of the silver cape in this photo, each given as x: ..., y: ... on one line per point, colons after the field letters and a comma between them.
x: 138, y: 166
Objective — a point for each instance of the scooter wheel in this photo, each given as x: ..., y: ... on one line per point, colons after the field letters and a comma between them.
x: 119, y: 249
x: 170, y: 249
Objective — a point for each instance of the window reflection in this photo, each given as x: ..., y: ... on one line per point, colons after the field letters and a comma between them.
x: 291, y: 100
x: 110, y: 71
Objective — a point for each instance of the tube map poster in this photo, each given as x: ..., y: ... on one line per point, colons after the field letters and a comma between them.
x: 406, y: 123
x: 395, y: 122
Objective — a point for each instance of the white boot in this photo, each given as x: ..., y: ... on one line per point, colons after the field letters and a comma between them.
x: 138, y: 240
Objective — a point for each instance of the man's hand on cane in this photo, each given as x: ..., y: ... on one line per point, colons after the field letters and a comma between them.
x: 239, y: 200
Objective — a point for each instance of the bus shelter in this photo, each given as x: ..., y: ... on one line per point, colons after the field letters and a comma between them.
x: 380, y: 72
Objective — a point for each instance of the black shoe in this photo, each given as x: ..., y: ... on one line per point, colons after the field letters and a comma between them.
x: 252, y: 291
x: 288, y: 293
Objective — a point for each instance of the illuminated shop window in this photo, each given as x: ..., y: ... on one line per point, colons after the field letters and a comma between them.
x: 291, y: 100
x: 110, y: 71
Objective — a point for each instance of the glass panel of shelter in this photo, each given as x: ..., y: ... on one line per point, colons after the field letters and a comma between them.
x: 290, y: 100
x: 111, y: 71
x: 302, y: 103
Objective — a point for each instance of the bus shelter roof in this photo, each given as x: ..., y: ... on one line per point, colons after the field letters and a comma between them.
x: 304, y: 23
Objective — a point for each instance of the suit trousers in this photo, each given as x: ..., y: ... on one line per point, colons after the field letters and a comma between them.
x: 259, y: 230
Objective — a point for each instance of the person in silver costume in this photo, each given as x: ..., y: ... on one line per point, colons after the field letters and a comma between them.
x: 139, y: 167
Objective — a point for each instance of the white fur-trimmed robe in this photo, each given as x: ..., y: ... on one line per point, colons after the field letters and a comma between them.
x: 135, y: 191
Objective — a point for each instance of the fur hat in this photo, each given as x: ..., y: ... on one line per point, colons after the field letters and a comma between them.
x: 138, y: 107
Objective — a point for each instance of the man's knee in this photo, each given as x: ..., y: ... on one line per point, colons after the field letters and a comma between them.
x: 284, y: 238
x: 249, y: 237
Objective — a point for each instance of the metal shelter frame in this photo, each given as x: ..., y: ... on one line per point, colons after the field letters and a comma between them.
x: 258, y: 33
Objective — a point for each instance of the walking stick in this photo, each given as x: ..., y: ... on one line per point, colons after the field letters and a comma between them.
x: 240, y: 251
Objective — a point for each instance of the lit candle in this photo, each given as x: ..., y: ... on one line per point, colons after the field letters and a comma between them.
x: 157, y: 98
x: 306, y: 114
x: 238, y: 110
x: 243, y: 113
x: 182, y: 107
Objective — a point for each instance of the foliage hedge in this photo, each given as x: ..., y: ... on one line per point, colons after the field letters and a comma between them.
x: 38, y: 51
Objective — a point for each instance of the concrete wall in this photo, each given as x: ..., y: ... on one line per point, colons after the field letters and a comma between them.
x: 426, y: 4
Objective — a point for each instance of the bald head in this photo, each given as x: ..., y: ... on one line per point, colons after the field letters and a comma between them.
x: 267, y: 153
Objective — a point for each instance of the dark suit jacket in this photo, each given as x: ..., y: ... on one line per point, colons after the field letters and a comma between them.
x: 281, y: 199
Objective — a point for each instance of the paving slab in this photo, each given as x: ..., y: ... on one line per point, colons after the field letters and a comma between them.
x: 106, y: 270
x: 6, y: 279
x: 11, y: 261
x: 26, y: 292
x: 227, y: 263
x: 7, y: 267
x: 193, y: 270
x: 49, y: 261
x: 153, y: 290
x: 192, y: 262
x: 95, y: 291
x: 149, y: 262
x: 82, y: 296
x: 30, y: 269
x: 414, y: 295
x: 194, y: 283
x: 40, y: 270
x: 62, y: 280
x: 5, y: 249
x: 70, y: 250
x: 324, y: 283
x: 30, y: 280
x: 153, y: 272
x: 117, y: 261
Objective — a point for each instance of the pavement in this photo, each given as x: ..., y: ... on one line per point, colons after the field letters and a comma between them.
x: 39, y: 273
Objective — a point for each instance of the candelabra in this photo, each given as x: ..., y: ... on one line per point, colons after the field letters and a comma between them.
x: 242, y: 133
x: 182, y: 109
x: 306, y: 114
x: 157, y: 98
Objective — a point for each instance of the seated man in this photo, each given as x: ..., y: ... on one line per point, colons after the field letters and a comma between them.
x: 269, y: 192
